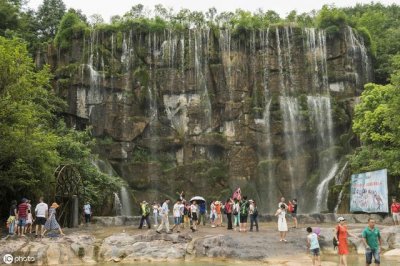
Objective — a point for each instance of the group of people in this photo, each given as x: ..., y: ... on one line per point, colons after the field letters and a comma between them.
x: 371, y: 237
x: 22, y: 218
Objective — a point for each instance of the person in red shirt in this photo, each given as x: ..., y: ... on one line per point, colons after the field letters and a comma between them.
x: 22, y: 213
x: 395, y: 209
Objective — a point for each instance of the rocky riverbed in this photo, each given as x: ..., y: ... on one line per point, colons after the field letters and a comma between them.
x: 127, y: 244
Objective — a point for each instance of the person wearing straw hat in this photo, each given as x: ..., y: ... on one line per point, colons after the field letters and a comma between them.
x: 51, y: 223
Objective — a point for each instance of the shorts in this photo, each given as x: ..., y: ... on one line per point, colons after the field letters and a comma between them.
x: 21, y: 221
x: 396, y: 216
x: 194, y: 216
x: 294, y: 215
x: 177, y: 220
x: 314, y: 252
x: 40, y: 220
x: 372, y: 252
x: 243, y: 219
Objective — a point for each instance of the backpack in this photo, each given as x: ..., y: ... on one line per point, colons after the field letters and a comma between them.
x: 244, y: 208
x: 255, y: 212
x: 290, y: 208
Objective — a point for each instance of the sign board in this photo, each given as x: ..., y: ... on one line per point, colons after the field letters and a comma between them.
x: 369, y: 192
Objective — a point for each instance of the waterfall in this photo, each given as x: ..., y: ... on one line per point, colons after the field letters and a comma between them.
x: 322, y: 189
x: 201, y: 42
x: 126, y: 202
x: 356, y: 47
x: 292, y: 135
x: 316, y: 56
x: 339, y: 180
x: 117, y: 205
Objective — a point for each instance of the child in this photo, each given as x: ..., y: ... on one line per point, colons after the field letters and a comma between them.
x: 313, y: 245
x: 29, y: 223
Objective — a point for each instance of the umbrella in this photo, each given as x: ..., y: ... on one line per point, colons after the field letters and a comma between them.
x: 197, y: 198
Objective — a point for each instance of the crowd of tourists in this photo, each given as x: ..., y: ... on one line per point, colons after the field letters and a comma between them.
x: 22, y: 218
x: 237, y: 210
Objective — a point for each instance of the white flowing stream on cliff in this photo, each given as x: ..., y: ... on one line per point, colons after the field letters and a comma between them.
x: 298, y: 113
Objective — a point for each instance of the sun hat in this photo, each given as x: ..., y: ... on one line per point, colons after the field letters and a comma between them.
x: 341, y: 219
x: 54, y: 205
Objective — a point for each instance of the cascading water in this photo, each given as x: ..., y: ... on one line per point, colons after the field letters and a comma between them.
x: 126, y: 202
x: 117, y: 205
x: 322, y: 195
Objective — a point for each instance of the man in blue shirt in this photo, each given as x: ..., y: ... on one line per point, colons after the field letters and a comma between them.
x: 202, y: 209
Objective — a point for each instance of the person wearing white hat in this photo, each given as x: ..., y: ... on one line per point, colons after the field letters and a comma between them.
x: 341, y: 237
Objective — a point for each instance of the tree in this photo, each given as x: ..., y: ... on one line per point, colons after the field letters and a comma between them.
x: 71, y: 27
x: 49, y: 16
x: 9, y: 16
x: 376, y: 123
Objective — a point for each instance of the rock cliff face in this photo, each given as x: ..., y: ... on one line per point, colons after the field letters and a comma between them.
x: 206, y: 111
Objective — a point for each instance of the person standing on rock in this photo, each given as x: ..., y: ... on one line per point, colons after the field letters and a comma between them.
x: 244, y: 212
x: 282, y: 224
x: 373, y: 241
x: 12, y: 218
x: 145, y: 212
x: 253, y: 215
x: 228, y: 210
x: 236, y: 214
x: 293, y: 203
x: 202, y: 211
x: 41, y: 213
x: 341, y: 237
x: 395, y: 210
x: 313, y: 245
x: 87, y: 211
x: 176, y: 211
x: 164, y: 217
x: 193, y: 213
x: 156, y: 206
x: 51, y: 223
x: 22, y: 216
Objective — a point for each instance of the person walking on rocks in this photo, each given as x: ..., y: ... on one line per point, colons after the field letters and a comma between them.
x: 282, y: 224
x: 395, y: 210
x: 41, y: 213
x: 244, y: 212
x: 156, y: 206
x: 341, y: 237
x: 228, y: 210
x: 253, y: 212
x: 373, y: 241
x: 313, y: 245
x: 51, y: 223
x: 145, y: 212
x: 164, y: 217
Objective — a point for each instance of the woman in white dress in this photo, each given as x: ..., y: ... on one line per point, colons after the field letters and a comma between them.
x: 282, y: 225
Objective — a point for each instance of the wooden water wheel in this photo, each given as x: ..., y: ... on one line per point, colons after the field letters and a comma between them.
x: 69, y: 185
